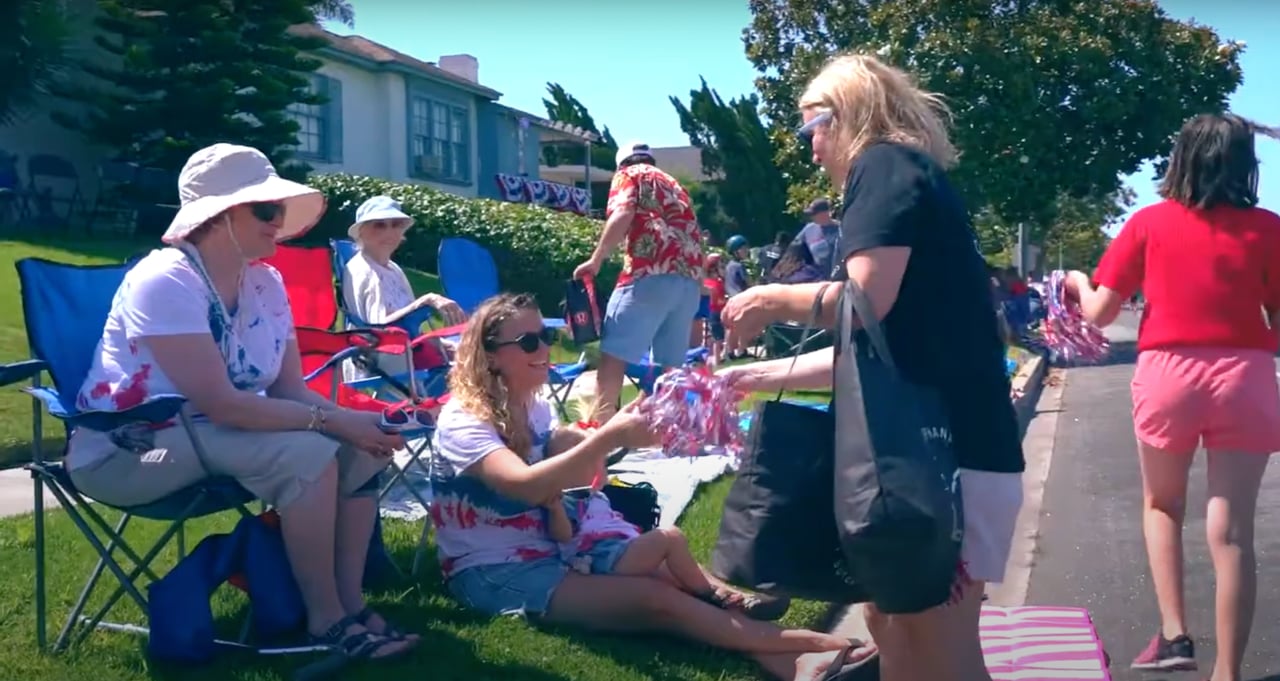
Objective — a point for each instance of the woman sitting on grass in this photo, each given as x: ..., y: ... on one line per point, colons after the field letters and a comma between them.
x: 491, y: 482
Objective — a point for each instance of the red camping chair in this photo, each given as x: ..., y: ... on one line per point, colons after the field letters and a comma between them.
x: 313, y: 294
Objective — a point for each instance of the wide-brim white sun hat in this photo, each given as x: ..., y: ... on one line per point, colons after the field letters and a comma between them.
x: 378, y: 208
x: 222, y: 176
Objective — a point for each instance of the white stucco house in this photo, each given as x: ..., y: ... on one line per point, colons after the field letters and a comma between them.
x: 389, y: 115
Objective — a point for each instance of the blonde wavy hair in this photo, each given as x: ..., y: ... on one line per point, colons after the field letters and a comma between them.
x: 872, y: 102
x: 475, y: 383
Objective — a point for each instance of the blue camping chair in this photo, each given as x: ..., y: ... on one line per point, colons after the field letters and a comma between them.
x: 64, y: 308
x: 470, y: 277
x: 646, y: 373
x: 432, y: 382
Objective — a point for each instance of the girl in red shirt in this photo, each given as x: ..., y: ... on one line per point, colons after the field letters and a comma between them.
x: 1207, y: 261
x: 713, y: 284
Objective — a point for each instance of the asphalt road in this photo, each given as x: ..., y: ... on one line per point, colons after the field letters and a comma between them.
x: 1090, y: 551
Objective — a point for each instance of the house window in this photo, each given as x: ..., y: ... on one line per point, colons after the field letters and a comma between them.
x: 320, y: 125
x: 440, y: 140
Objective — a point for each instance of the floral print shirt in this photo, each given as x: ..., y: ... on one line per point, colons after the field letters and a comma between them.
x: 664, y: 237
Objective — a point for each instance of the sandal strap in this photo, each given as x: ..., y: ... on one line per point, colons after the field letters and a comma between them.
x: 357, y: 645
x: 389, y: 630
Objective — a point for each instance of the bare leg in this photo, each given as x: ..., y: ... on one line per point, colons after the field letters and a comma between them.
x: 356, y: 517
x: 1164, y: 497
x: 606, y: 602
x: 948, y: 632
x: 1234, y: 479
x: 307, y: 526
x: 648, y: 552
x: 609, y: 385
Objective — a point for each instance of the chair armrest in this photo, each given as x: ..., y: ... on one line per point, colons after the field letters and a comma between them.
x: 334, y: 360
x: 378, y: 381
x: 20, y: 372
x: 157, y: 410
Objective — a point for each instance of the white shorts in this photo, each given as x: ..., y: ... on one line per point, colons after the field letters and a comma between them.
x: 991, y: 505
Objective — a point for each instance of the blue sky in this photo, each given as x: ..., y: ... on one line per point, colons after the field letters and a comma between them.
x: 623, y: 59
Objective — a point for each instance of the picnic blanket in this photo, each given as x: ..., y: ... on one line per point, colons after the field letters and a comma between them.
x: 1042, y: 643
x: 676, y: 479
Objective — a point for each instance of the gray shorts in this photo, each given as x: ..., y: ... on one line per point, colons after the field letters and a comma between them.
x: 651, y: 313
x: 275, y: 467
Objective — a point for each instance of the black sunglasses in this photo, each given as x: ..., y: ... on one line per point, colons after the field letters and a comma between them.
x: 266, y: 212
x: 528, y: 342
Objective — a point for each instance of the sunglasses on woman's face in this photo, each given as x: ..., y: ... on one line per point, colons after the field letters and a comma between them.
x: 266, y: 212
x: 806, y: 131
x: 530, y: 341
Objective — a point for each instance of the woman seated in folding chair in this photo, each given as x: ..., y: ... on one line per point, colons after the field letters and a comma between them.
x: 375, y: 288
x: 204, y: 321
x: 491, y: 480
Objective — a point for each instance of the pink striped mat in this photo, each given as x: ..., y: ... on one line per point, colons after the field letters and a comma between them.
x: 1042, y: 643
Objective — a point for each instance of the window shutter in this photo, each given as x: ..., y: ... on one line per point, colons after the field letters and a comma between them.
x: 333, y: 117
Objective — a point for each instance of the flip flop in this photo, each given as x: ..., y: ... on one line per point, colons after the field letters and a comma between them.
x: 866, y: 669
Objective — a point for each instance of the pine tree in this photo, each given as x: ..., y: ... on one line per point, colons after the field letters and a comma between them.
x: 190, y: 73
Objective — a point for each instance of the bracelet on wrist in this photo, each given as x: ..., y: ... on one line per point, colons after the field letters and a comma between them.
x: 318, y: 419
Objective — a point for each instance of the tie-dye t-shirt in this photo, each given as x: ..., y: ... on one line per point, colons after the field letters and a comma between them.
x: 164, y: 295
x: 474, y: 524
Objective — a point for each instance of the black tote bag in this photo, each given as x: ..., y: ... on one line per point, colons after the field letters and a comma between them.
x: 581, y: 312
x: 777, y: 530
x: 897, y: 488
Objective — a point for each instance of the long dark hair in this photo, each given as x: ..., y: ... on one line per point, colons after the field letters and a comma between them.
x: 1214, y: 162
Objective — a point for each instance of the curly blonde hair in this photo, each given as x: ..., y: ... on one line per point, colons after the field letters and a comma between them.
x: 872, y: 102
x: 475, y: 384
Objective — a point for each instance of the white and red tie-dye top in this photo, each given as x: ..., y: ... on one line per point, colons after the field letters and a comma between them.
x: 474, y: 524
x: 165, y: 295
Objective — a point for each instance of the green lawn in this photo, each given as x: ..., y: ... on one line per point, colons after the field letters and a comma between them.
x: 457, y: 645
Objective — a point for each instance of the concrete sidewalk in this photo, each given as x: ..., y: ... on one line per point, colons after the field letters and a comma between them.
x: 17, y: 495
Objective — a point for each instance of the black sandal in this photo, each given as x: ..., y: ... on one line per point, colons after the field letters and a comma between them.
x: 389, y: 630
x: 362, y: 645
x: 866, y: 669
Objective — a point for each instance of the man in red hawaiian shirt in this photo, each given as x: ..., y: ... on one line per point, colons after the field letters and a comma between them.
x: 657, y: 294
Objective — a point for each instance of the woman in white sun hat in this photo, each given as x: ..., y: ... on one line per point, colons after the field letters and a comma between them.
x: 206, y: 320
x: 376, y: 290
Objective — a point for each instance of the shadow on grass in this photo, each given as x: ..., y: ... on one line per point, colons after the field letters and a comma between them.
x: 96, y: 248
x: 15, y: 454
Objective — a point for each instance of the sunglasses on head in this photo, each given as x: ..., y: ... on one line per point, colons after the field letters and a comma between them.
x: 266, y: 212
x: 806, y: 131
x: 528, y: 342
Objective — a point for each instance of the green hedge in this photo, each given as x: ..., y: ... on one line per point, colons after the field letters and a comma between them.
x: 535, y: 248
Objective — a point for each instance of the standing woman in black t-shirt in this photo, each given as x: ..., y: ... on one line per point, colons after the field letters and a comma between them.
x: 905, y: 238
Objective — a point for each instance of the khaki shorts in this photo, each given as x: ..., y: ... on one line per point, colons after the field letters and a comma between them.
x: 276, y: 467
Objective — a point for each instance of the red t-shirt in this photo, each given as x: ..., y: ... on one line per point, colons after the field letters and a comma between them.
x: 715, y: 287
x: 1207, y: 276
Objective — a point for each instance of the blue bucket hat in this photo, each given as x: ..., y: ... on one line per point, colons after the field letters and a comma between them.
x: 378, y: 208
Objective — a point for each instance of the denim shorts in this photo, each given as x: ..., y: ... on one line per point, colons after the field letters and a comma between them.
x: 526, y: 588
x: 654, y: 312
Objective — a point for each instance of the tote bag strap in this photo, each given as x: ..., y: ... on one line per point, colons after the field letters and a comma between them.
x: 855, y: 301
x: 814, y: 314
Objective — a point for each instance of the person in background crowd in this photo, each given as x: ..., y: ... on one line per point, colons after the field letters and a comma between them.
x: 651, y: 310
x: 1208, y: 260
x: 714, y: 285
x: 796, y: 267
x: 735, y: 271
x: 375, y: 288
x: 820, y: 235
x: 771, y: 254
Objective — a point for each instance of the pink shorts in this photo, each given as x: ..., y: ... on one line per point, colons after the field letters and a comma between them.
x: 1225, y: 397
